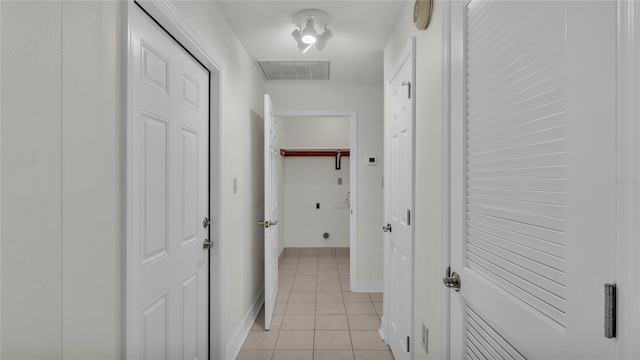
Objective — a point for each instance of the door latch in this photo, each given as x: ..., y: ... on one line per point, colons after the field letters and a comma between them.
x: 452, y: 280
x: 387, y: 228
x: 267, y: 223
x: 208, y: 244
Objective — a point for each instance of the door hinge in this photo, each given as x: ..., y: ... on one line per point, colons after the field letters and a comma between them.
x: 408, y: 344
x: 408, y: 84
x: 610, y: 311
x: 387, y: 228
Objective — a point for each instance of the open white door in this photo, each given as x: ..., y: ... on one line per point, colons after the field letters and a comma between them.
x: 167, y: 197
x: 270, y: 222
x: 398, y: 190
x: 533, y: 153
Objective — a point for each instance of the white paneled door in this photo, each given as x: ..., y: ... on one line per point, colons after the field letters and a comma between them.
x: 167, y: 197
x: 399, y: 171
x: 533, y: 158
x: 270, y: 222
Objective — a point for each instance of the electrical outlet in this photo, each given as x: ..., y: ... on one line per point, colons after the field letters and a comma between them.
x: 425, y: 338
x: 371, y: 161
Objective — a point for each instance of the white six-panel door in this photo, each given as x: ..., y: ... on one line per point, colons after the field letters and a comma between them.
x: 167, y: 197
x: 398, y: 208
x: 271, y: 160
x: 533, y: 151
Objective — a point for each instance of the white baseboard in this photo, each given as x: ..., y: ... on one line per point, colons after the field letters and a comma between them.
x: 370, y: 286
x: 245, y: 326
x: 383, y: 330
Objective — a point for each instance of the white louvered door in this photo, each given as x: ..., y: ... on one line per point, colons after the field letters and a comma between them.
x: 533, y: 151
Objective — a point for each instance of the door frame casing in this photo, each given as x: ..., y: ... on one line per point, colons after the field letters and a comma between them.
x: 445, y: 181
x: 627, y: 179
x: 353, y: 178
x: 271, y: 208
x: 163, y: 12
x: 410, y: 51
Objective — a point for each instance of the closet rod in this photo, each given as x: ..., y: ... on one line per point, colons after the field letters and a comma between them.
x: 284, y: 152
x: 338, y: 154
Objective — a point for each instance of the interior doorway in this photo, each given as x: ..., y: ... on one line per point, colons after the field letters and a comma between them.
x: 341, y: 168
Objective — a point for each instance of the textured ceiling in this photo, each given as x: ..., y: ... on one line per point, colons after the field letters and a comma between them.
x: 360, y: 32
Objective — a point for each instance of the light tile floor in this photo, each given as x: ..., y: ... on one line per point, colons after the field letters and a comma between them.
x: 317, y: 317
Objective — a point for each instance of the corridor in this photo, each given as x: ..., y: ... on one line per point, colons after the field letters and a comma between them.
x: 316, y: 316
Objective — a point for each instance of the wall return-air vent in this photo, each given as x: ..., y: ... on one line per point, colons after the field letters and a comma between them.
x: 295, y: 70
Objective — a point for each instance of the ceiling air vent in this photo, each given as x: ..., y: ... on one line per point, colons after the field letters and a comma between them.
x: 295, y: 70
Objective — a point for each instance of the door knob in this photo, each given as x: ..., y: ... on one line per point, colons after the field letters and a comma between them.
x: 208, y: 244
x: 452, y: 280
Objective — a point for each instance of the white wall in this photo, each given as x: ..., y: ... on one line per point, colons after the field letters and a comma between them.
x: 92, y: 170
x: 428, y: 213
x: 0, y: 181
x: 282, y: 219
x: 367, y: 101
x: 61, y: 180
x: 308, y: 181
x: 316, y: 132
x: 31, y: 179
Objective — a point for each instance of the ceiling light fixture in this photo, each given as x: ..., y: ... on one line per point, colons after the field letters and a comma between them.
x: 309, y: 34
x: 306, y: 34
